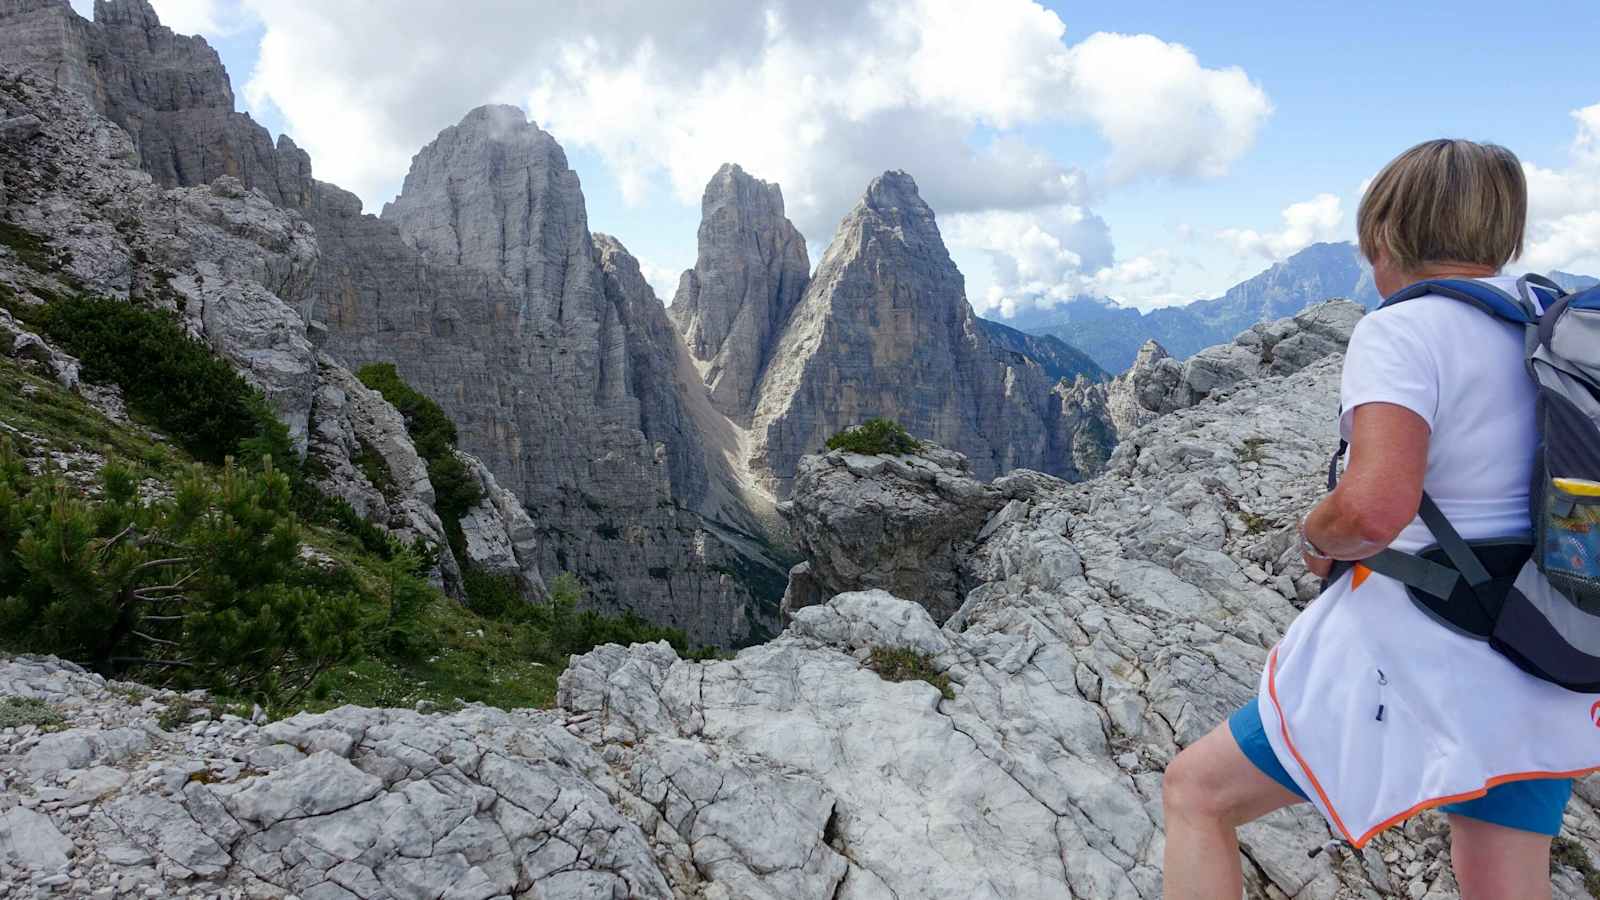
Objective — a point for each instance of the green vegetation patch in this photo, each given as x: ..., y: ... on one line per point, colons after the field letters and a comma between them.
x: 208, y: 587
x: 169, y: 379
x: 875, y: 436
x: 372, y: 465
x: 17, y: 712
x: 906, y: 664
x: 33, y: 251
x: 1253, y: 450
x: 455, y: 490
x: 178, y: 713
x: 62, y: 420
x: 202, y: 589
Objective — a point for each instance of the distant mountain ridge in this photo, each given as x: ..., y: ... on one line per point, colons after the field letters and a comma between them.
x: 1111, y: 335
x: 1571, y: 282
x: 1058, y: 358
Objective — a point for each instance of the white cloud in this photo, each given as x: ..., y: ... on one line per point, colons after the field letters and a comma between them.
x: 1039, y: 257
x: 662, y: 279
x: 207, y: 17
x: 1160, y: 109
x: 1304, y: 224
x: 1564, y: 205
x: 818, y: 95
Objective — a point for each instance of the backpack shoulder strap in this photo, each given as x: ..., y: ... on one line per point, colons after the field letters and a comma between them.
x: 1485, y: 297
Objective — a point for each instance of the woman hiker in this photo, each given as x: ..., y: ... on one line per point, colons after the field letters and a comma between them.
x: 1367, y: 703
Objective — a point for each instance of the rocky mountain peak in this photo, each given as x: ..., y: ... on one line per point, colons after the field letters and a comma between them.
x: 169, y: 91
x: 884, y: 329
x: 135, y: 13
x: 894, y: 189
x: 494, y: 193
x: 751, y: 269
x: 893, y: 206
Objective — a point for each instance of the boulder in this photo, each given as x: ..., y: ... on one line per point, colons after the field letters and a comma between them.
x: 900, y: 523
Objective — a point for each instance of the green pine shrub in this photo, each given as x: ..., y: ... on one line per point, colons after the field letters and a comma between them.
x: 205, y: 589
x: 169, y: 379
x: 875, y: 436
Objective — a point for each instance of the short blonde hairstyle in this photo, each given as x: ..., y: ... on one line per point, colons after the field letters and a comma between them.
x: 1446, y: 201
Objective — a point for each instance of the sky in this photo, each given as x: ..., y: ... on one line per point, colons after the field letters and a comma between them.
x: 1150, y: 151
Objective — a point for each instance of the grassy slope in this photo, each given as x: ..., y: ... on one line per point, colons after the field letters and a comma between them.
x: 478, y: 659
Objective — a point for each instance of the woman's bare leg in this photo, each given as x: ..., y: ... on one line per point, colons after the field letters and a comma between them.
x: 1493, y: 862
x: 1209, y: 790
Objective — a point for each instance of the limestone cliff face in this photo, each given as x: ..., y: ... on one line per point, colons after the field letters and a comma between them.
x: 483, y: 284
x: 169, y: 91
x: 751, y: 270
x: 884, y: 329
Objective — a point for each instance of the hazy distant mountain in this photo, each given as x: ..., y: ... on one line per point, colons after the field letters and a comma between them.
x: 1059, y: 358
x: 1571, y: 282
x: 1112, y: 335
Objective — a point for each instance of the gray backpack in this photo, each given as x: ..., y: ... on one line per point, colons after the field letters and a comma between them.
x: 1535, y: 598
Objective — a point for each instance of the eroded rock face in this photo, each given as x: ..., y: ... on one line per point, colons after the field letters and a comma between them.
x: 560, y: 369
x: 751, y: 270
x: 884, y: 329
x: 1115, y: 621
x: 517, y: 339
x: 1159, y: 384
x: 904, y: 524
x: 229, y: 262
x: 169, y: 91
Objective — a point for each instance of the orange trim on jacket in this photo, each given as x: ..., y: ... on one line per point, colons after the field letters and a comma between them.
x: 1358, y: 843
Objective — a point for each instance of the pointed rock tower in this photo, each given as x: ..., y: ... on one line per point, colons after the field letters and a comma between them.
x: 748, y: 277
x: 885, y: 329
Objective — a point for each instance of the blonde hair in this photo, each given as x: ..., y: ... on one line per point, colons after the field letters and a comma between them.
x: 1446, y: 201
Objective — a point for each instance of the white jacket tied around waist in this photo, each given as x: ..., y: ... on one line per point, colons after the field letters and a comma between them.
x: 1376, y: 710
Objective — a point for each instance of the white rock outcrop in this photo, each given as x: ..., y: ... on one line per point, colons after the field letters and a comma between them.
x: 1113, y: 622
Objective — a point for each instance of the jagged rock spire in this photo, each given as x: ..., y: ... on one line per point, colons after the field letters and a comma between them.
x: 885, y: 329
x: 751, y: 271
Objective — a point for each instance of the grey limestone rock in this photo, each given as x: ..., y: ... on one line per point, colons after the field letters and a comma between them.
x: 500, y: 536
x: 19, y: 128
x: 228, y: 261
x: 750, y: 273
x: 884, y: 329
x: 539, y: 366
x: 1111, y: 622
x: 904, y: 524
x: 1158, y: 384
x: 29, y: 838
x: 169, y: 91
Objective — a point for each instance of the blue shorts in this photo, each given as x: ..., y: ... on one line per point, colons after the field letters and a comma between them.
x: 1535, y: 805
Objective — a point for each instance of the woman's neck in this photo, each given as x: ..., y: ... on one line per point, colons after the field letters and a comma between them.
x: 1430, y: 271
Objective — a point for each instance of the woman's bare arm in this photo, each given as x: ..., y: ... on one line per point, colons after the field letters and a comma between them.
x: 1382, y: 485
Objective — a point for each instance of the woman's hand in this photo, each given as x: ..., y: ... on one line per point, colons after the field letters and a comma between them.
x: 1321, y: 568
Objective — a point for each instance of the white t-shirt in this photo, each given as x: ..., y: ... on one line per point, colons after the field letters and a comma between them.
x: 1462, y: 371
x: 1375, y: 709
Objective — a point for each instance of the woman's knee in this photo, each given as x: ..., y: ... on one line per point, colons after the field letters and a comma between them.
x: 1188, y: 788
